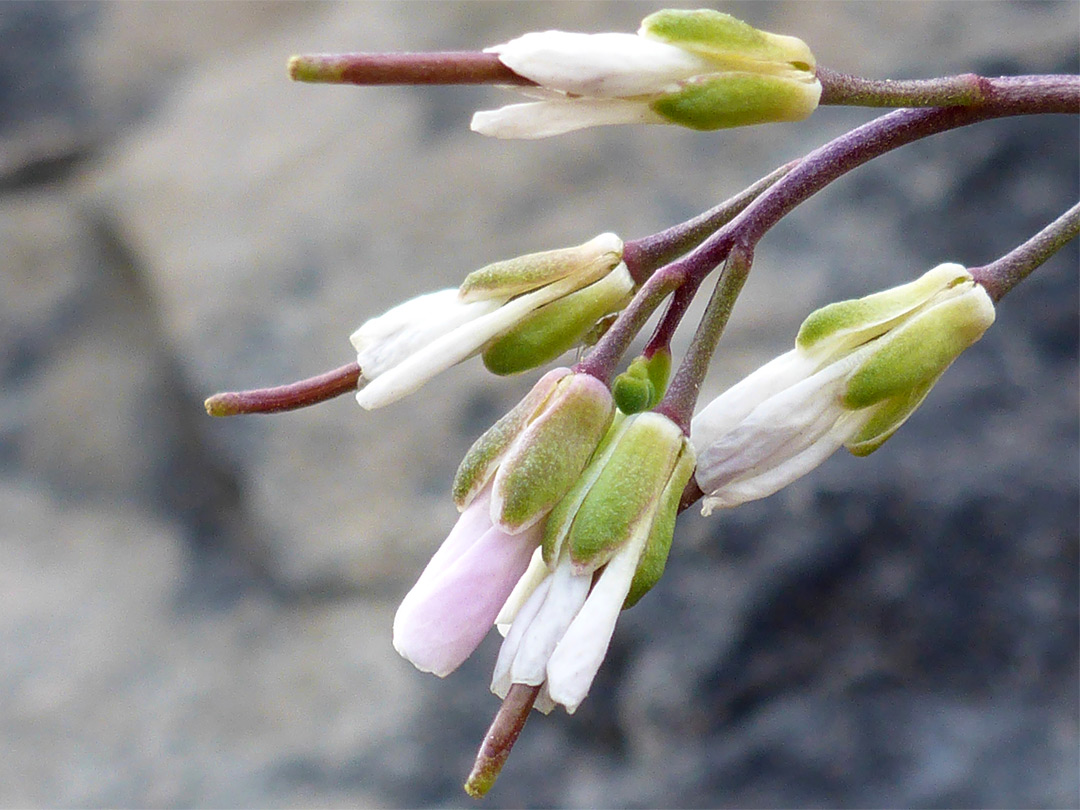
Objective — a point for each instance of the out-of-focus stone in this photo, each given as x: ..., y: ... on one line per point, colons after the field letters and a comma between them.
x: 118, y: 692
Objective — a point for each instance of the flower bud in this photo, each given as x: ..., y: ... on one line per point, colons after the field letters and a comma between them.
x: 619, y: 493
x: 858, y: 371
x: 642, y: 385
x: 405, y: 347
x: 535, y: 453
x: 700, y: 69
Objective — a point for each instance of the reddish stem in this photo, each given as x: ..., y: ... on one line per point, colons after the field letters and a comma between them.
x: 504, y: 731
x: 447, y: 67
x: 286, y: 397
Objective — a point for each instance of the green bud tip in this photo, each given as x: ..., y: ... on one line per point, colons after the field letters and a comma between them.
x: 315, y: 68
x: 222, y: 405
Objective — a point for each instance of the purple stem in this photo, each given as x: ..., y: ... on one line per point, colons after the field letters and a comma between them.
x: 1003, y: 274
x: 678, y: 403
x: 602, y: 361
x: 1019, y: 95
x: 643, y: 256
x: 286, y: 397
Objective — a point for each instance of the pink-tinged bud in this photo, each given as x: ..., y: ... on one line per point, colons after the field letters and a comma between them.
x: 454, y: 603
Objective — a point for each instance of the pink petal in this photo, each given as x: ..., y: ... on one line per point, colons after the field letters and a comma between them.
x: 443, y: 619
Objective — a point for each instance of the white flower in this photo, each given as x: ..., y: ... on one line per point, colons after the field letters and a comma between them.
x: 701, y: 69
x: 858, y: 371
x: 405, y: 347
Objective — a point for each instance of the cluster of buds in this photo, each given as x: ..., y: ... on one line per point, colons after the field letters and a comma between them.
x: 568, y: 503
x: 586, y: 493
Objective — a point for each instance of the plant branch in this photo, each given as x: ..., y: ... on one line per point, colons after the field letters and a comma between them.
x: 604, y: 358
x: 1002, y: 275
x: 841, y: 89
x: 286, y: 397
x: 679, y: 401
x: 1020, y: 95
x: 643, y: 256
x: 500, y: 738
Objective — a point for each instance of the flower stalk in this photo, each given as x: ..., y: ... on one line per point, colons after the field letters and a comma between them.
x: 1002, y: 275
x: 500, y: 738
x: 288, y: 397
x: 447, y: 67
x: 678, y: 404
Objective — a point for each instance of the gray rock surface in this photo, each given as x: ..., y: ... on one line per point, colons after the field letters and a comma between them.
x: 197, y: 611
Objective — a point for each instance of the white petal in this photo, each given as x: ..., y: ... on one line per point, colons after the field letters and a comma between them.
x: 733, y: 406
x: 776, y: 478
x: 579, y: 654
x: 458, y: 345
x: 385, y: 341
x: 500, y: 676
x: 781, y: 426
x: 543, y: 119
x: 536, y: 573
x: 779, y: 441
x: 564, y: 599
x: 599, y: 65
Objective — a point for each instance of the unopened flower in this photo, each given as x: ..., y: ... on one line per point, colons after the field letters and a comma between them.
x: 605, y: 545
x: 858, y: 370
x: 403, y: 348
x: 700, y: 69
x: 536, y: 452
x: 508, y: 482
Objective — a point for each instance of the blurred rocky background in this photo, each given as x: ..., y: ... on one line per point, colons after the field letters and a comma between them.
x: 197, y: 612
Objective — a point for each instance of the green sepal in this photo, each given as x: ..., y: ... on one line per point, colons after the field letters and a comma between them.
x: 722, y: 38
x: 888, y: 416
x: 917, y: 352
x: 505, y: 279
x: 557, y: 327
x: 626, y: 490
x: 561, y: 518
x: 483, y: 457
x: 737, y: 99
x: 554, y: 449
x: 654, y: 557
x: 511, y: 277
x: 842, y: 325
